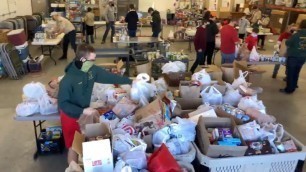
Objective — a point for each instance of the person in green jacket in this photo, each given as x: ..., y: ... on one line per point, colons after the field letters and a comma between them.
x: 75, y: 92
x: 296, y: 52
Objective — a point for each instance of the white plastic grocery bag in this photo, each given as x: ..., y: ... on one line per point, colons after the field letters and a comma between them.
x: 240, y: 80
x: 27, y: 108
x: 202, y: 76
x: 254, y: 56
x: 232, y: 97
x: 212, y: 96
x: 237, y: 48
x: 47, y: 105
x: 251, y: 102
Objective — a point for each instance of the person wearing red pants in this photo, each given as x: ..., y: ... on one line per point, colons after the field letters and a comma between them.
x: 75, y: 92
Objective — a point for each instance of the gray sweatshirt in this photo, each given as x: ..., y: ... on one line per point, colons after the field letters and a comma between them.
x: 109, y: 14
x: 243, y: 24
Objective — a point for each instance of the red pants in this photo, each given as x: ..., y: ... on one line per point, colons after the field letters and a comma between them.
x: 69, y: 126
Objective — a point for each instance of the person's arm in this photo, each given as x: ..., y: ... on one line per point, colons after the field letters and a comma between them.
x: 106, y: 14
x: 196, y: 40
x: 127, y: 18
x: 215, y: 29
x: 235, y: 37
x: 64, y: 103
x: 109, y: 78
x: 290, y: 42
x: 85, y: 18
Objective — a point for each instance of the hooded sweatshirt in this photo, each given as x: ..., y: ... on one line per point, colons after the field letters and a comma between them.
x: 76, y: 87
x: 132, y: 19
x: 156, y: 22
x: 296, y: 45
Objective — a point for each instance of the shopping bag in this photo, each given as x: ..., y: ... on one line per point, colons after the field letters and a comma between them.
x: 124, y: 108
x: 163, y: 161
x: 190, y: 89
x: 27, y: 108
x: 202, y: 76
x: 251, y: 102
x: 244, y: 53
x: 141, y: 90
x: 254, y: 56
x: 212, y: 96
x: 87, y: 119
x: 240, y: 80
x: 237, y: 48
x: 171, y: 35
x: 232, y: 96
x: 47, y: 105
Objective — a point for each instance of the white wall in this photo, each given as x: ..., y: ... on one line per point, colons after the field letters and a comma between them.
x: 23, y: 7
x: 160, y: 5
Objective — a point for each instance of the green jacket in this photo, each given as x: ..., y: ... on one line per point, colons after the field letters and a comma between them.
x: 296, y: 45
x: 76, y: 87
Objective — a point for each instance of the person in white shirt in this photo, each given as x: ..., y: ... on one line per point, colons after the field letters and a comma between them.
x: 89, y: 21
x: 63, y: 25
x: 243, y: 23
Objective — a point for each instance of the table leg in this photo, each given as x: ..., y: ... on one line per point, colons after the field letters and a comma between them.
x: 35, y: 156
x: 128, y: 65
x: 95, y: 32
x: 189, y: 44
x: 50, y: 54
x: 42, y: 49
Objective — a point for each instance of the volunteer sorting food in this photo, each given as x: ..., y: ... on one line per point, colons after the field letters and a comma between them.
x: 75, y: 92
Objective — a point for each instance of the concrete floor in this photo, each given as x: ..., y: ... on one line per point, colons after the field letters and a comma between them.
x: 17, y: 138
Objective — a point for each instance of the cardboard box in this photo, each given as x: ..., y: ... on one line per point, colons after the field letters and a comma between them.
x: 189, y: 91
x: 222, y: 114
x: 3, y: 35
x: 214, y: 71
x: 173, y: 78
x: 97, y: 155
x: 113, y: 67
x: 188, y: 105
x: 154, y: 108
x: 255, y: 72
x: 216, y: 151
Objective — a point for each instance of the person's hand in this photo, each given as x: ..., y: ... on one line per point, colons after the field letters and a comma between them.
x: 199, y: 50
x: 276, y: 47
x: 90, y: 111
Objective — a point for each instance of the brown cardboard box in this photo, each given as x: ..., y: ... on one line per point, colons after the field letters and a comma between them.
x: 173, y: 78
x: 188, y: 105
x: 222, y: 114
x: 216, y: 151
x: 91, y: 130
x: 255, y: 72
x: 3, y: 35
x: 154, y: 108
x: 214, y: 71
x: 96, y: 11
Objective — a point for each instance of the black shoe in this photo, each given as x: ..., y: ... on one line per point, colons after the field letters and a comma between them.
x: 63, y: 58
x: 284, y: 91
x: 103, y: 42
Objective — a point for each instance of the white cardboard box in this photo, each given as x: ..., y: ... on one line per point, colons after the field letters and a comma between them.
x: 97, y: 156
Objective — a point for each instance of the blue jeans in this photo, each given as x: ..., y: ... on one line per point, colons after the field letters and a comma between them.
x: 132, y: 33
x: 294, y: 66
x: 199, y: 61
x: 227, y: 58
x: 109, y: 25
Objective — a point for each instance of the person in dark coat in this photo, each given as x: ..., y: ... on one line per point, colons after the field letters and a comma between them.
x: 211, y: 32
x: 200, y: 46
x: 296, y: 52
x: 156, y: 22
x: 132, y: 19
x: 206, y: 14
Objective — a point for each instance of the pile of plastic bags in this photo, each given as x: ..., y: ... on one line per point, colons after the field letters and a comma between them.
x: 36, y: 100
